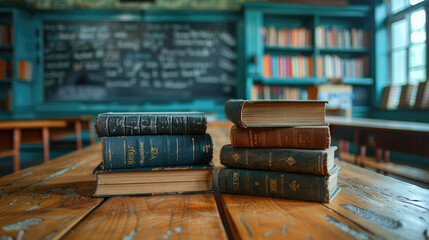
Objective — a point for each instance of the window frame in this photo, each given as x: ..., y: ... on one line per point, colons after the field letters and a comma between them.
x: 401, y: 15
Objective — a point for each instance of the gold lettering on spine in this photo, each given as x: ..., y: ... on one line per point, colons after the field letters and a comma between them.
x: 153, y: 153
x: 131, y: 151
x: 125, y: 153
x: 193, y: 149
x: 177, y: 149
x: 270, y: 159
x: 273, y: 185
x: 142, y: 153
x: 235, y: 182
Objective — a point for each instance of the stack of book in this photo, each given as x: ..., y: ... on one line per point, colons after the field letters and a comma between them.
x: 153, y: 153
x: 343, y: 38
x: 279, y: 149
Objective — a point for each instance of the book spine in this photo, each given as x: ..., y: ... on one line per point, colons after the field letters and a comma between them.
x: 274, y: 184
x: 132, y: 125
x: 290, y: 137
x: 156, y: 151
x: 233, y: 111
x: 276, y: 159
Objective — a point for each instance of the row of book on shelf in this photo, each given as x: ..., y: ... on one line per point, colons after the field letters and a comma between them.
x: 6, y: 34
x: 5, y: 99
x: 342, y: 38
x: 25, y: 70
x: 293, y: 37
x: 406, y: 96
x: 338, y: 96
x: 302, y: 66
x: 326, y: 37
x: 166, y: 153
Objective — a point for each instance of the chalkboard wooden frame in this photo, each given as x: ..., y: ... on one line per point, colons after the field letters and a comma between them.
x: 212, y: 104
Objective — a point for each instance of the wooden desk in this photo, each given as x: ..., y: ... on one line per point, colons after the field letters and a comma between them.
x: 405, y: 137
x: 74, y: 127
x: 50, y: 200
x: 13, y: 133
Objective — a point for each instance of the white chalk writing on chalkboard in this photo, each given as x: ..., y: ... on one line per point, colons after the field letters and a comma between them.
x: 133, y: 60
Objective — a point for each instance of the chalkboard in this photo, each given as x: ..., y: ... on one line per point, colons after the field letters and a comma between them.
x: 121, y: 60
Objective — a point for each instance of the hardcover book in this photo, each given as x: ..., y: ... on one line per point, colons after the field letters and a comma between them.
x: 156, y: 150
x: 150, y: 123
x: 151, y: 181
x: 275, y: 113
x: 318, y: 162
x: 310, y: 137
x: 278, y: 184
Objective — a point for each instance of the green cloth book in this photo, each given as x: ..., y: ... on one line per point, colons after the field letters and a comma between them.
x: 278, y: 184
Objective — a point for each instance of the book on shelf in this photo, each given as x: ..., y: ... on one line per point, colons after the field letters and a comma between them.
x: 5, y: 99
x: 297, y: 186
x: 6, y: 34
x: 25, y: 70
x: 390, y: 97
x: 338, y: 96
x: 309, y: 137
x: 287, y: 66
x: 260, y: 92
x: 286, y: 37
x: 335, y: 37
x: 335, y: 67
x: 408, y: 96
x: 150, y: 123
x: 360, y: 96
x: 275, y: 113
x: 126, y: 152
x: 422, y: 97
x: 152, y: 181
x: 6, y: 69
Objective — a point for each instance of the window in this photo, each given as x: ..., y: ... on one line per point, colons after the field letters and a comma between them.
x: 407, y: 42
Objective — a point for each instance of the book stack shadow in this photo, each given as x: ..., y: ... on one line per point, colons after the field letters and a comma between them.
x: 278, y: 149
x: 153, y: 153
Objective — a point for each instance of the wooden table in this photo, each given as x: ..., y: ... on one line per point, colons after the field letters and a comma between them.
x: 53, y: 201
x: 13, y: 133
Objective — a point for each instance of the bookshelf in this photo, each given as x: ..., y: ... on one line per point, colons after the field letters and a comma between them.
x: 345, y: 56
x: 16, y: 60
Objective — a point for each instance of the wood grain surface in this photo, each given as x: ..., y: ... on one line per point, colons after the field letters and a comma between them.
x: 188, y: 216
x: 369, y: 206
x: 46, y: 201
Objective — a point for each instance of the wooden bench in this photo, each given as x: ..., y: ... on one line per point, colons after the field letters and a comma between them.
x: 74, y: 127
x: 381, y: 135
x: 13, y: 133
x: 53, y: 201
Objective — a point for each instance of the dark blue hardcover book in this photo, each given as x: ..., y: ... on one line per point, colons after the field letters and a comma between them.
x: 150, y: 123
x: 156, y: 151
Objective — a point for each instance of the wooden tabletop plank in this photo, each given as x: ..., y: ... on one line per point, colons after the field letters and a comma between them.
x: 46, y: 201
x: 389, y: 208
x: 188, y: 216
x: 27, y: 124
x: 369, y: 205
x: 252, y: 217
x: 379, y: 124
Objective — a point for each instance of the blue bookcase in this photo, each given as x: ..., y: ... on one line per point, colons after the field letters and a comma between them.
x: 18, y: 93
x: 260, y: 17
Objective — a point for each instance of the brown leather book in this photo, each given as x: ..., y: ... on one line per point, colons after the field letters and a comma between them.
x: 313, y: 137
